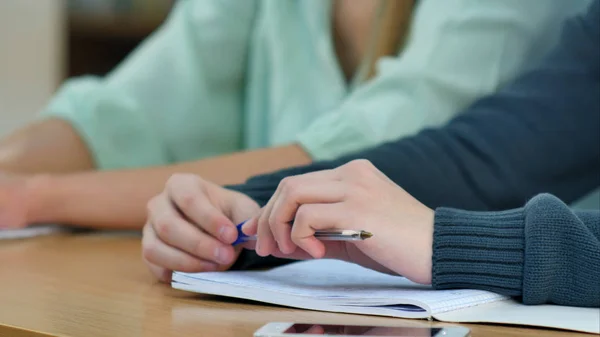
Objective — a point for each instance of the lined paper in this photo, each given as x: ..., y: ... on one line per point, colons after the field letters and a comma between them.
x: 336, y: 286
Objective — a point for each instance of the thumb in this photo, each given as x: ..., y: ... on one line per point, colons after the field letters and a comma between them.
x: 251, y: 226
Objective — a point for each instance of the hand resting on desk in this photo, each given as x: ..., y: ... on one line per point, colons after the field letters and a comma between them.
x: 191, y: 226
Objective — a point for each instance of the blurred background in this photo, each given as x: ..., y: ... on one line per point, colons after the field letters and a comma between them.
x: 43, y: 42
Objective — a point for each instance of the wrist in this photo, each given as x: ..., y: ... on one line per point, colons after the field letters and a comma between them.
x: 426, y: 270
x: 42, y: 198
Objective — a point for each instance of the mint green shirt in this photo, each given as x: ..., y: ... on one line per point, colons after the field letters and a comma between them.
x: 228, y: 75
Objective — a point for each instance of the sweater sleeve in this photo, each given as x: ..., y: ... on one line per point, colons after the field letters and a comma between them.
x: 541, y: 133
x: 543, y: 253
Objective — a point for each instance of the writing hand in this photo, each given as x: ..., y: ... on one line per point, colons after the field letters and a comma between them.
x: 354, y: 196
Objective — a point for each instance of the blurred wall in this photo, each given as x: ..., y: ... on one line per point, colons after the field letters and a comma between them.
x: 32, y: 40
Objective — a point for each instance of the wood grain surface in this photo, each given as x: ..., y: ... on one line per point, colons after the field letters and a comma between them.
x: 96, y: 285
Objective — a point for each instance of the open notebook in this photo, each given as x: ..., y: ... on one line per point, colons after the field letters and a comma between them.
x: 337, y: 286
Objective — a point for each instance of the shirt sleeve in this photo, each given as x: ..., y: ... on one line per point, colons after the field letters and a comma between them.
x: 176, y: 97
x: 457, y: 51
x: 542, y: 253
x: 541, y: 133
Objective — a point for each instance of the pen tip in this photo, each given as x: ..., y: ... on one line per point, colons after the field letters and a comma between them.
x: 366, y: 235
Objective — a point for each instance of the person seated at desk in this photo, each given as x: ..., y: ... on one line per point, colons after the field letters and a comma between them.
x: 296, y: 78
x: 445, y: 206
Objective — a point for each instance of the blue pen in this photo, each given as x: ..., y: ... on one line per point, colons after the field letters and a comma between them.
x: 327, y: 235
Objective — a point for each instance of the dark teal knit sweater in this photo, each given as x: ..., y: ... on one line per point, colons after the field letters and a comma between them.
x: 541, y: 134
x: 544, y: 252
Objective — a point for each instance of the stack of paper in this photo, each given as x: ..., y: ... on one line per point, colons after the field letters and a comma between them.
x: 337, y: 286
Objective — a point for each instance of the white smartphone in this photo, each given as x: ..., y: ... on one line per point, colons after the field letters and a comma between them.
x: 316, y: 330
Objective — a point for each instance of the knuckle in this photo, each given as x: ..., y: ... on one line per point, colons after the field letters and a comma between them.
x: 213, y: 220
x: 360, y: 166
x: 199, y: 248
x: 262, y: 219
x: 296, y: 237
x: 162, y: 227
x: 303, y: 215
x: 290, y: 191
x: 288, y: 184
x: 276, y: 220
x: 187, y: 201
x: 272, y: 219
x: 152, y: 205
x: 175, y: 178
x: 149, y: 252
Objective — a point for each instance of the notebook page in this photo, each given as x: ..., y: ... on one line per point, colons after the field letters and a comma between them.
x: 343, y: 283
x: 402, y: 311
x: 29, y: 232
x: 512, y: 312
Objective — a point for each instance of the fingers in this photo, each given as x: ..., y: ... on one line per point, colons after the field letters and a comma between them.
x: 290, y: 184
x: 188, y: 230
x: 310, y: 218
x: 265, y: 243
x: 191, y: 200
x: 162, y: 274
x: 314, y: 217
x: 173, y: 230
x: 286, y: 206
x: 273, y: 225
x: 157, y: 253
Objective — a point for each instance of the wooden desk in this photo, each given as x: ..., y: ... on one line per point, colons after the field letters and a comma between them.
x: 96, y: 285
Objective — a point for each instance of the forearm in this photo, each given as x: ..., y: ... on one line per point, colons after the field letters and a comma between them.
x: 544, y: 252
x: 117, y: 199
x: 538, y: 134
x: 49, y: 146
x: 238, y: 167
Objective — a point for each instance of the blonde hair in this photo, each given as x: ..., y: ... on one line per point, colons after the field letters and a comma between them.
x: 391, y: 31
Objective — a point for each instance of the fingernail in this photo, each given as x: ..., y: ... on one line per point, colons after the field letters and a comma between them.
x: 245, y: 227
x: 228, y: 234
x: 221, y: 255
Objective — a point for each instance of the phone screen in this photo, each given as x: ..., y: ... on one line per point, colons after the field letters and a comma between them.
x: 349, y: 330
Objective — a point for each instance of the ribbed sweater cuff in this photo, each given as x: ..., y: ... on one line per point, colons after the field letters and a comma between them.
x: 479, y: 250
